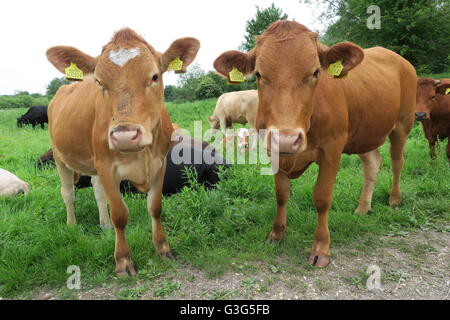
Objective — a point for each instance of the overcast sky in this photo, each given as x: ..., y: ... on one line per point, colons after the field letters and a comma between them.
x: 29, y: 28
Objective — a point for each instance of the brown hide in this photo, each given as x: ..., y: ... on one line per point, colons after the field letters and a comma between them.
x: 319, y: 116
x: 114, y: 125
x: 433, y: 110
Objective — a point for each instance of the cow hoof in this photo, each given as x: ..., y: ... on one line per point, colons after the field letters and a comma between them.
x: 168, y: 255
x: 275, y: 237
x: 362, y: 210
x: 394, y: 202
x: 127, y: 268
x: 318, y: 260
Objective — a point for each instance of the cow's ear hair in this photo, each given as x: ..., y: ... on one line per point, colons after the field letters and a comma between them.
x: 185, y: 48
x: 442, y: 88
x: 244, y: 62
x: 350, y: 54
x: 62, y: 56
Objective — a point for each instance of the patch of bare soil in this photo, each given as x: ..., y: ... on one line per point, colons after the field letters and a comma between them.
x: 413, y: 266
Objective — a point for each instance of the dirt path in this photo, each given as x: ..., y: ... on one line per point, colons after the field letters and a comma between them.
x: 413, y: 266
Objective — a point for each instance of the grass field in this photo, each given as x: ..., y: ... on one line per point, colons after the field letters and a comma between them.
x: 210, y: 230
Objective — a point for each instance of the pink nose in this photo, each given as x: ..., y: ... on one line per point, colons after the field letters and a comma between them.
x: 286, y: 141
x: 125, y: 139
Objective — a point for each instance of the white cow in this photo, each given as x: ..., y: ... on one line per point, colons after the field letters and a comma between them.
x: 11, y: 185
x: 235, y: 107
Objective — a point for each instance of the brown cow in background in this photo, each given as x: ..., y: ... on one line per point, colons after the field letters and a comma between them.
x: 309, y: 116
x: 433, y: 110
x: 114, y: 126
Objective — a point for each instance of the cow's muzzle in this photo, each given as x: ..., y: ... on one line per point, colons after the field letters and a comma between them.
x: 285, y: 142
x: 421, y: 116
x: 125, y: 138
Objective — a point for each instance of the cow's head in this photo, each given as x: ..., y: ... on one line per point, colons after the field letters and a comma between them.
x: 214, y: 122
x: 20, y: 122
x: 427, y: 89
x: 128, y: 74
x: 288, y: 63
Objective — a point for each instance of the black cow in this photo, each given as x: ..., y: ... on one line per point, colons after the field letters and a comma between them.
x: 34, y: 116
x: 206, y: 168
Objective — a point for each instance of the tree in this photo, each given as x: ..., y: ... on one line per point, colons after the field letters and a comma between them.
x: 417, y: 30
x: 207, y: 88
x: 169, y: 93
x: 54, y: 85
x: 256, y: 26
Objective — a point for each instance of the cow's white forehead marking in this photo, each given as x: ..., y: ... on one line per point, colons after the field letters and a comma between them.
x: 122, y: 56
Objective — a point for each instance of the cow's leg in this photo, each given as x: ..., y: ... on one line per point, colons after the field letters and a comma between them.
x: 371, y: 165
x: 154, y: 204
x: 119, y: 218
x: 432, y: 144
x: 397, y: 139
x: 223, y: 125
x: 67, y: 191
x: 447, y: 149
x: 282, y: 189
x: 102, y: 203
x: 323, y: 194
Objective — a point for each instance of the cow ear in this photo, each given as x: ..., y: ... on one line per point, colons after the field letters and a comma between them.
x: 349, y: 53
x: 185, y: 48
x: 62, y: 56
x: 244, y: 62
x: 442, y: 88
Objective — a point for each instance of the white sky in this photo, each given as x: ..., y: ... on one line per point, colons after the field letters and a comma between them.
x: 29, y: 28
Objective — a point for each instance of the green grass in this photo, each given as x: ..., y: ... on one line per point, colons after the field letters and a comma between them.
x: 212, y: 230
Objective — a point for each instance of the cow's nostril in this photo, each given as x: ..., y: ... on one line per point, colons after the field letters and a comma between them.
x: 298, y: 141
x: 136, y: 135
x: 421, y: 115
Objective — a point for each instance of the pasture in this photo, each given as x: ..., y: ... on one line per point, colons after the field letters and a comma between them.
x: 213, y: 232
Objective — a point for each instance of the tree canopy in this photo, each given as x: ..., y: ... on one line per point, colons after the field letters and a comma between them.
x: 255, y: 26
x: 417, y: 30
x: 54, y: 85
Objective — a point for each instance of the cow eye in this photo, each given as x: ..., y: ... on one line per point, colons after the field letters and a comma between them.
x: 258, y: 75
x: 316, y: 73
x: 433, y: 97
x: 155, y: 78
x: 99, y: 83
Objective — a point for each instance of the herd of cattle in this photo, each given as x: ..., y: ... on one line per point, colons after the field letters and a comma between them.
x: 123, y: 131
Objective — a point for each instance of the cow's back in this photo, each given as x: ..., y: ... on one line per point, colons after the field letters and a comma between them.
x: 367, y: 105
x: 71, y: 116
x: 238, y: 104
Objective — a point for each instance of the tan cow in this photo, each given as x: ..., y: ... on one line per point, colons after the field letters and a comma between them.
x: 114, y: 126
x: 433, y: 110
x: 309, y: 116
x: 235, y: 107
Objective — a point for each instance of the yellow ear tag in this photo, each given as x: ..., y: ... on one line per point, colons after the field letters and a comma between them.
x: 73, y: 73
x: 336, y: 68
x: 447, y: 92
x: 236, y: 76
x: 175, y: 65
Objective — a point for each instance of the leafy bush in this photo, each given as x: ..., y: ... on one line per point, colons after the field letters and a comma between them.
x: 207, y: 88
x: 23, y: 101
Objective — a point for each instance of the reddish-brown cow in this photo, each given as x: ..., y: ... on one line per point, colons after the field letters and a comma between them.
x: 114, y: 126
x: 433, y: 110
x: 318, y: 118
